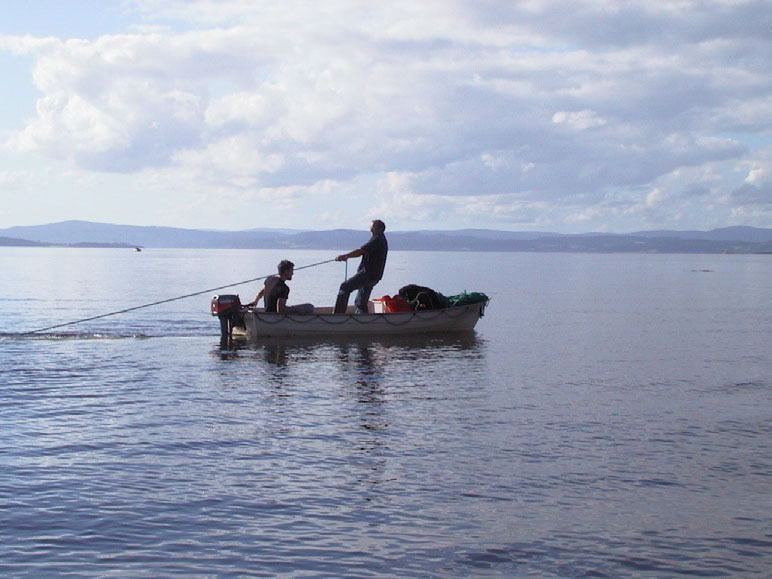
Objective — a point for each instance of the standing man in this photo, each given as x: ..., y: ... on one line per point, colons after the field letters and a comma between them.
x: 370, y: 269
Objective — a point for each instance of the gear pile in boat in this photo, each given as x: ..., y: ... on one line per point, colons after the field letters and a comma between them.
x: 414, y: 297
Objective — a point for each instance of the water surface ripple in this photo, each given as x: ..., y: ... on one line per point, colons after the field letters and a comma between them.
x: 591, y: 427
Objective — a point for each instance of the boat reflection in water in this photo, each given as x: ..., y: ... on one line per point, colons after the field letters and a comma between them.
x: 357, y: 381
x: 362, y: 413
x: 369, y: 353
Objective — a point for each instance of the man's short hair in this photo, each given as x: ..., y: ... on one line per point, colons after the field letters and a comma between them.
x: 379, y: 224
x: 285, y: 265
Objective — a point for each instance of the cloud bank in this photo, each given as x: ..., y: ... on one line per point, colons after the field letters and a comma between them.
x: 533, y: 114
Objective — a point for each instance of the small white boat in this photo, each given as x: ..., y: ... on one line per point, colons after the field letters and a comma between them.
x: 255, y: 323
x: 258, y: 324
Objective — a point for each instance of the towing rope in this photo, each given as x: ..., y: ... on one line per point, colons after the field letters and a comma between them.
x: 164, y: 301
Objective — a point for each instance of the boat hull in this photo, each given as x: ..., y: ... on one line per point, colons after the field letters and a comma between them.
x: 258, y: 324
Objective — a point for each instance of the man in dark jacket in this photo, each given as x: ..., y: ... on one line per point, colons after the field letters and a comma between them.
x: 370, y: 269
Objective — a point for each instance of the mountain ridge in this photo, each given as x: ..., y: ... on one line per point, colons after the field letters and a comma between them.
x: 735, y: 239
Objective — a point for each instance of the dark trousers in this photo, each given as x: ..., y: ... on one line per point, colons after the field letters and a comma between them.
x: 361, y: 282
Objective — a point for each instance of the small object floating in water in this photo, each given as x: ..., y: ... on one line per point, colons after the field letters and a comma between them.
x: 137, y: 249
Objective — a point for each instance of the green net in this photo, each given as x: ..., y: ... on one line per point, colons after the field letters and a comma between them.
x: 463, y: 299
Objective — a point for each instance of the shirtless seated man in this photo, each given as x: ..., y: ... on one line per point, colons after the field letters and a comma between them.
x: 275, y: 292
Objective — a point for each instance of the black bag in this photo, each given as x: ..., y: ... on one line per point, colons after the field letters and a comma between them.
x: 421, y: 298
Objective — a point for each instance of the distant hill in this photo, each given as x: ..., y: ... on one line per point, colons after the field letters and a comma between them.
x: 737, y: 233
x: 490, y: 233
x: 10, y: 241
x: 85, y: 233
x: 69, y: 232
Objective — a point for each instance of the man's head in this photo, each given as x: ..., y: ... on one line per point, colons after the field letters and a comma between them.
x: 377, y: 226
x: 286, y: 269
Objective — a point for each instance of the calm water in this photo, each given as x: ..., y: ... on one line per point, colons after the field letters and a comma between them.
x: 609, y: 417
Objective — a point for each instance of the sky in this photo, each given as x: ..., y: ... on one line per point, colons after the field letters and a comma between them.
x: 533, y: 115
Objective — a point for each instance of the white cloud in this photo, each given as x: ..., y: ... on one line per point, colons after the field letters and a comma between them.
x: 521, y: 108
x: 757, y: 175
x: 655, y: 198
x: 13, y: 180
x: 578, y: 120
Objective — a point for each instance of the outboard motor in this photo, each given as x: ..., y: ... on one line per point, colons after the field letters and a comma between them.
x: 228, y: 309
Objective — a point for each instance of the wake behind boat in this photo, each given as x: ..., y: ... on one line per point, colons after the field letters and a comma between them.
x: 456, y: 314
